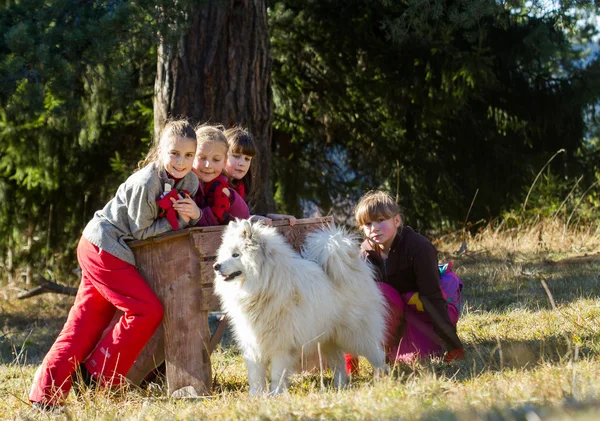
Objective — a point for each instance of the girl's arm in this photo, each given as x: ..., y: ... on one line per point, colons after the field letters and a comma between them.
x: 238, y: 209
x: 282, y: 217
x: 207, y: 218
x: 142, y: 212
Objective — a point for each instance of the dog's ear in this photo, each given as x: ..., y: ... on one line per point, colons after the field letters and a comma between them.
x: 246, y: 229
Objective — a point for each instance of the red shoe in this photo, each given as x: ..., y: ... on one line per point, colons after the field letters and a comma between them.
x: 48, y: 408
x: 352, y: 367
x: 455, y: 355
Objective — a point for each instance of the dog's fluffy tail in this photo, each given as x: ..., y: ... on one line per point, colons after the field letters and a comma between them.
x: 337, y: 252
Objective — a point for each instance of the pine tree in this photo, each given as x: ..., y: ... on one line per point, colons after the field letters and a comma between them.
x: 431, y: 99
x: 75, y: 96
x: 219, y: 72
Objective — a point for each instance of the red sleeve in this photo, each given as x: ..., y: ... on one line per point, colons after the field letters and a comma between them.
x: 238, y: 207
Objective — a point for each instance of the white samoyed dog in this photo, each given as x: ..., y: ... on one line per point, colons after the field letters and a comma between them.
x: 282, y: 303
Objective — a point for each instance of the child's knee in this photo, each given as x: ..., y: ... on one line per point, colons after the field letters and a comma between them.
x: 158, y: 312
x: 154, y: 313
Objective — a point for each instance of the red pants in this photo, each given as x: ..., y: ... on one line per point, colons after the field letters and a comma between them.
x: 107, y: 284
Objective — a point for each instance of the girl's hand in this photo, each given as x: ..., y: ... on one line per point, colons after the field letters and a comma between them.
x: 281, y: 217
x: 186, y: 208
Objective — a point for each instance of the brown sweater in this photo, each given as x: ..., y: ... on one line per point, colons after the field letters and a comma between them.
x: 411, y: 266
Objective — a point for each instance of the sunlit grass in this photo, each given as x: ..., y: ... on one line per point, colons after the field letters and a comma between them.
x: 531, y: 326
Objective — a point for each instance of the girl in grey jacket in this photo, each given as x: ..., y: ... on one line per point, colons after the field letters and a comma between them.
x: 110, y: 280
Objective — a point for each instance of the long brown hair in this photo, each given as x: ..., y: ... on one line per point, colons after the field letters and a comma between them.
x: 178, y: 128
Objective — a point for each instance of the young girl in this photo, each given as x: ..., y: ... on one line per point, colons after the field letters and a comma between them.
x: 239, y: 157
x: 109, y: 278
x: 242, y: 150
x: 420, y: 319
x: 219, y: 203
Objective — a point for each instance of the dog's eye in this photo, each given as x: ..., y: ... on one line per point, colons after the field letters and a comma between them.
x: 235, y: 255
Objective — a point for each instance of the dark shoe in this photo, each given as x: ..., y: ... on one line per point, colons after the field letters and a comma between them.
x: 48, y: 408
x: 157, y: 375
x: 82, y: 380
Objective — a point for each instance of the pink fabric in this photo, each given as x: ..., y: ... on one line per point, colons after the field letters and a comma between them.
x: 452, y: 286
x: 410, y: 334
x: 107, y: 283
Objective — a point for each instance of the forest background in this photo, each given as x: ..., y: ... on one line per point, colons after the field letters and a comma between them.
x: 471, y: 112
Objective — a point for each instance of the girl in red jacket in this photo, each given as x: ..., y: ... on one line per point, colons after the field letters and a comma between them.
x: 242, y: 150
x: 214, y: 195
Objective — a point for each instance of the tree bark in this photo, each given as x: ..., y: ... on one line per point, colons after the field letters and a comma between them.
x: 220, y: 72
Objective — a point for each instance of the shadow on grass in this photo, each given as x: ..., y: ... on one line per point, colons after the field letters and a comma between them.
x: 493, y: 284
x: 482, y: 358
x: 26, y: 340
x: 569, y: 410
x: 527, y: 354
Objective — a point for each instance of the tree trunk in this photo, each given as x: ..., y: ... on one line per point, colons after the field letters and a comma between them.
x: 9, y: 261
x: 30, y: 233
x: 220, y: 72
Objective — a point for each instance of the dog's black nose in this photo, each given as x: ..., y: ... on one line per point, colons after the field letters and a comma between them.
x: 216, y: 266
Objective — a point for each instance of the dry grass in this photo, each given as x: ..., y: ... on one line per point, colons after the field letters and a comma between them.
x: 531, y: 238
x: 531, y: 326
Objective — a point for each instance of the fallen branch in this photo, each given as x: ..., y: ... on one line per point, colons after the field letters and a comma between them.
x: 44, y: 286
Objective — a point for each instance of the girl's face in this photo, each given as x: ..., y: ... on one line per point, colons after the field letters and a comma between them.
x: 238, y: 165
x: 209, y: 161
x: 177, y: 155
x: 382, y: 231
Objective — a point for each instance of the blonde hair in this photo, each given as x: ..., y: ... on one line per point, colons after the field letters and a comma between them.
x: 173, y: 128
x: 240, y: 141
x: 375, y: 205
x: 206, y: 133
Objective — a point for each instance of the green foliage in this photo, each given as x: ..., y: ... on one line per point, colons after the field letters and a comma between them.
x: 76, y: 84
x: 431, y: 100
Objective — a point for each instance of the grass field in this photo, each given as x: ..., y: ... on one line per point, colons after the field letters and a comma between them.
x: 531, y: 326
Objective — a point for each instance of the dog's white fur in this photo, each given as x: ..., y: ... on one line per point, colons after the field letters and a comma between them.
x: 281, y: 303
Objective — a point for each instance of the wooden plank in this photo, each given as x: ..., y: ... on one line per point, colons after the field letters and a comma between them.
x: 207, y: 273
x: 295, y: 235
x: 170, y: 235
x: 207, y: 242
x: 172, y: 268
